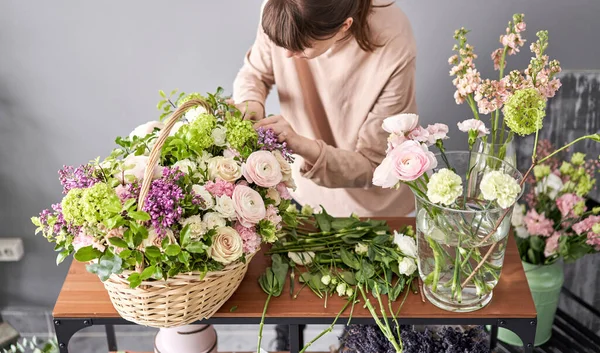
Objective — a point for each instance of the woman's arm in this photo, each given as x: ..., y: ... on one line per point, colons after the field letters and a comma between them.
x: 255, y: 79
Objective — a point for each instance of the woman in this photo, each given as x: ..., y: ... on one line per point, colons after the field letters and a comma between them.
x: 340, y: 67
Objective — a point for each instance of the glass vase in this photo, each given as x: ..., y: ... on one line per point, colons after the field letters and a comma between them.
x: 461, y: 249
x: 502, y: 147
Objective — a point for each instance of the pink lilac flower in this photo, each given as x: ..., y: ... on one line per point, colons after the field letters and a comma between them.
x: 273, y: 216
x: 566, y: 203
x: 219, y: 187
x: 250, y: 238
x: 283, y: 191
x: 163, y: 200
x: 552, y: 244
x: 538, y: 224
x: 267, y: 141
x: 77, y: 178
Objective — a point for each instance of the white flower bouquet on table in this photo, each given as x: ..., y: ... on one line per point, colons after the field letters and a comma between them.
x: 465, y: 199
x: 194, y: 196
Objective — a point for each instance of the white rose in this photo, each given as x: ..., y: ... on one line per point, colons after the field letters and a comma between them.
x: 326, y: 280
x: 176, y: 128
x: 518, y: 215
x: 194, y: 113
x: 202, y: 161
x: 135, y: 167
x: 219, y: 136
x: 521, y: 232
x: 225, y: 207
x: 146, y: 129
x: 361, y: 249
x: 302, y: 258
x: 197, y: 227
x: 550, y: 185
x: 186, y: 165
x: 407, y: 266
x: 227, y: 246
x: 209, y: 202
x: 225, y: 168
x: 273, y: 194
x: 341, y: 289
x: 406, y: 244
x: 214, y: 220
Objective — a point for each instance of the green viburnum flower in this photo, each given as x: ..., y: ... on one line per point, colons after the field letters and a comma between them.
x: 579, y: 208
x: 97, y: 202
x: 596, y: 228
x: 72, y: 208
x: 584, y: 185
x: 524, y: 111
x: 267, y: 231
x: 444, y: 187
x: 499, y: 186
x: 578, y: 158
x: 239, y: 133
x: 189, y: 97
x: 541, y: 171
x: 566, y: 168
x: 198, y: 134
x: 596, y: 210
x: 307, y: 210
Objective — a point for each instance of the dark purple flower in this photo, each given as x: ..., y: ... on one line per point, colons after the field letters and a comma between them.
x: 267, y: 141
x: 81, y: 177
x: 163, y: 200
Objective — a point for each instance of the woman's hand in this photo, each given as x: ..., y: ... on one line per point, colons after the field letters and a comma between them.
x: 305, y: 147
x: 251, y: 110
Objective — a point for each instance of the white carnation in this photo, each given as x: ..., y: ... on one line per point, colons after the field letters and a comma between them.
x: 521, y: 232
x: 214, y: 220
x: 209, y: 202
x: 499, y: 186
x: 197, y: 227
x: 550, y: 185
x: 518, y: 215
x: 225, y: 207
x: 444, y: 187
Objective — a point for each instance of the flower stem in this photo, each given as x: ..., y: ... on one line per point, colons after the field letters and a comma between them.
x: 328, y: 329
x: 595, y: 137
x: 262, y: 323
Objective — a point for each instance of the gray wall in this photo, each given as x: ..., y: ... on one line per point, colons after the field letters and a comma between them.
x: 74, y: 74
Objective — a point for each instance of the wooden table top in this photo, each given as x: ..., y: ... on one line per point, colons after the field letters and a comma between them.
x: 83, y: 296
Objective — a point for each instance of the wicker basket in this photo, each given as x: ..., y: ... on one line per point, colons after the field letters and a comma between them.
x: 184, y: 298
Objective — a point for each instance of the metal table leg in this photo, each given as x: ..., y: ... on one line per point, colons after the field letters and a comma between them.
x: 524, y: 328
x: 111, y: 339
x: 295, y: 338
x: 493, y: 337
x: 66, y: 328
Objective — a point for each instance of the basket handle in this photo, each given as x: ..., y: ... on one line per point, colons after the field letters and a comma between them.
x: 162, y: 137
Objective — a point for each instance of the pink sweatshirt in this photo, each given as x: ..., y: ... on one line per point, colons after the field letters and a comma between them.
x: 340, y: 99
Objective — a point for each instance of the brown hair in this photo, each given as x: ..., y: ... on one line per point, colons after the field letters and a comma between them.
x: 294, y: 24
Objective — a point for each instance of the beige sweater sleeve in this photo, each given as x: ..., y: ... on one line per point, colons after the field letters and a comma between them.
x: 255, y: 78
x: 338, y: 168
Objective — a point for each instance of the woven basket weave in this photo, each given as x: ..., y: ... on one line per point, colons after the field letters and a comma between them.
x: 184, y: 298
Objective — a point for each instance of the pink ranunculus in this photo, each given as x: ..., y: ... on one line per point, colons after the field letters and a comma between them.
x: 552, y: 244
x: 411, y: 160
x: 437, y: 132
x: 395, y: 141
x: 219, y: 187
x: 263, y: 169
x: 250, y: 238
x: 538, y: 224
x: 384, y: 174
x: 249, y: 205
x: 566, y: 203
x: 473, y: 125
x: 419, y: 134
x: 400, y: 124
x: 283, y: 191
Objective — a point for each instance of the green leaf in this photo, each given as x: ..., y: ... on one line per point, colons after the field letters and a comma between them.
x: 139, y: 216
x: 349, y: 278
x: 118, y: 242
x: 125, y: 254
x: 343, y: 223
x: 349, y: 259
x: 382, y: 239
x: 128, y: 204
x: 366, y: 272
x: 134, y: 280
x: 233, y: 308
x: 87, y: 253
x: 184, y: 257
x: 304, y: 277
x: 323, y: 221
x: 162, y: 93
x: 184, y: 236
x: 128, y: 237
x: 196, y: 248
x: 139, y: 257
x: 172, y: 250
x: 152, y: 252
x: 148, y: 272
x: 114, y: 207
x: 62, y: 256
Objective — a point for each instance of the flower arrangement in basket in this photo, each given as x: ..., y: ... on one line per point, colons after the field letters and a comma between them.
x: 465, y: 199
x: 171, y: 218
x: 554, y: 222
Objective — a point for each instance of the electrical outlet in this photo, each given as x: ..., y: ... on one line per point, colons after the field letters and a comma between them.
x: 11, y: 249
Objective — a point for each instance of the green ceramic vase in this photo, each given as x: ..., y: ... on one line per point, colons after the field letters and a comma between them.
x: 545, y: 282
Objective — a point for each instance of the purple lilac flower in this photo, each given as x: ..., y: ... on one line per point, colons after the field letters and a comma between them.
x: 267, y: 141
x: 163, y: 200
x: 81, y: 177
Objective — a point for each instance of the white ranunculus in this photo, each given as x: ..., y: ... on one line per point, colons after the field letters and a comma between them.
x: 550, y: 185
x: 219, y: 136
x: 201, y: 191
x: 135, y: 167
x: 186, y: 165
x: 225, y: 168
x: 145, y: 129
x: 225, y: 207
x: 518, y: 215
x: 194, y: 113
x: 400, y: 124
x: 302, y: 258
x: 176, y: 128
x: 227, y: 246
x: 361, y: 248
x: 407, y: 266
x: 214, y: 220
x: 406, y: 244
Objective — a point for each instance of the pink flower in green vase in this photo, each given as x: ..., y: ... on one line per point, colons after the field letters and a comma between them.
x: 538, y: 224
x: 566, y: 203
x: 552, y: 244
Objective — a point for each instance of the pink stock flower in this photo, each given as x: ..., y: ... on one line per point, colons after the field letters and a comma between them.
x: 552, y: 244
x: 83, y: 239
x: 263, y: 169
x: 538, y: 224
x: 219, y: 187
x: 491, y: 96
x: 249, y: 205
x: 273, y: 216
x: 283, y: 191
x: 566, y: 203
x: 437, y: 132
x: 520, y: 27
x: 250, y: 238
x: 497, y: 58
x: 473, y: 125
